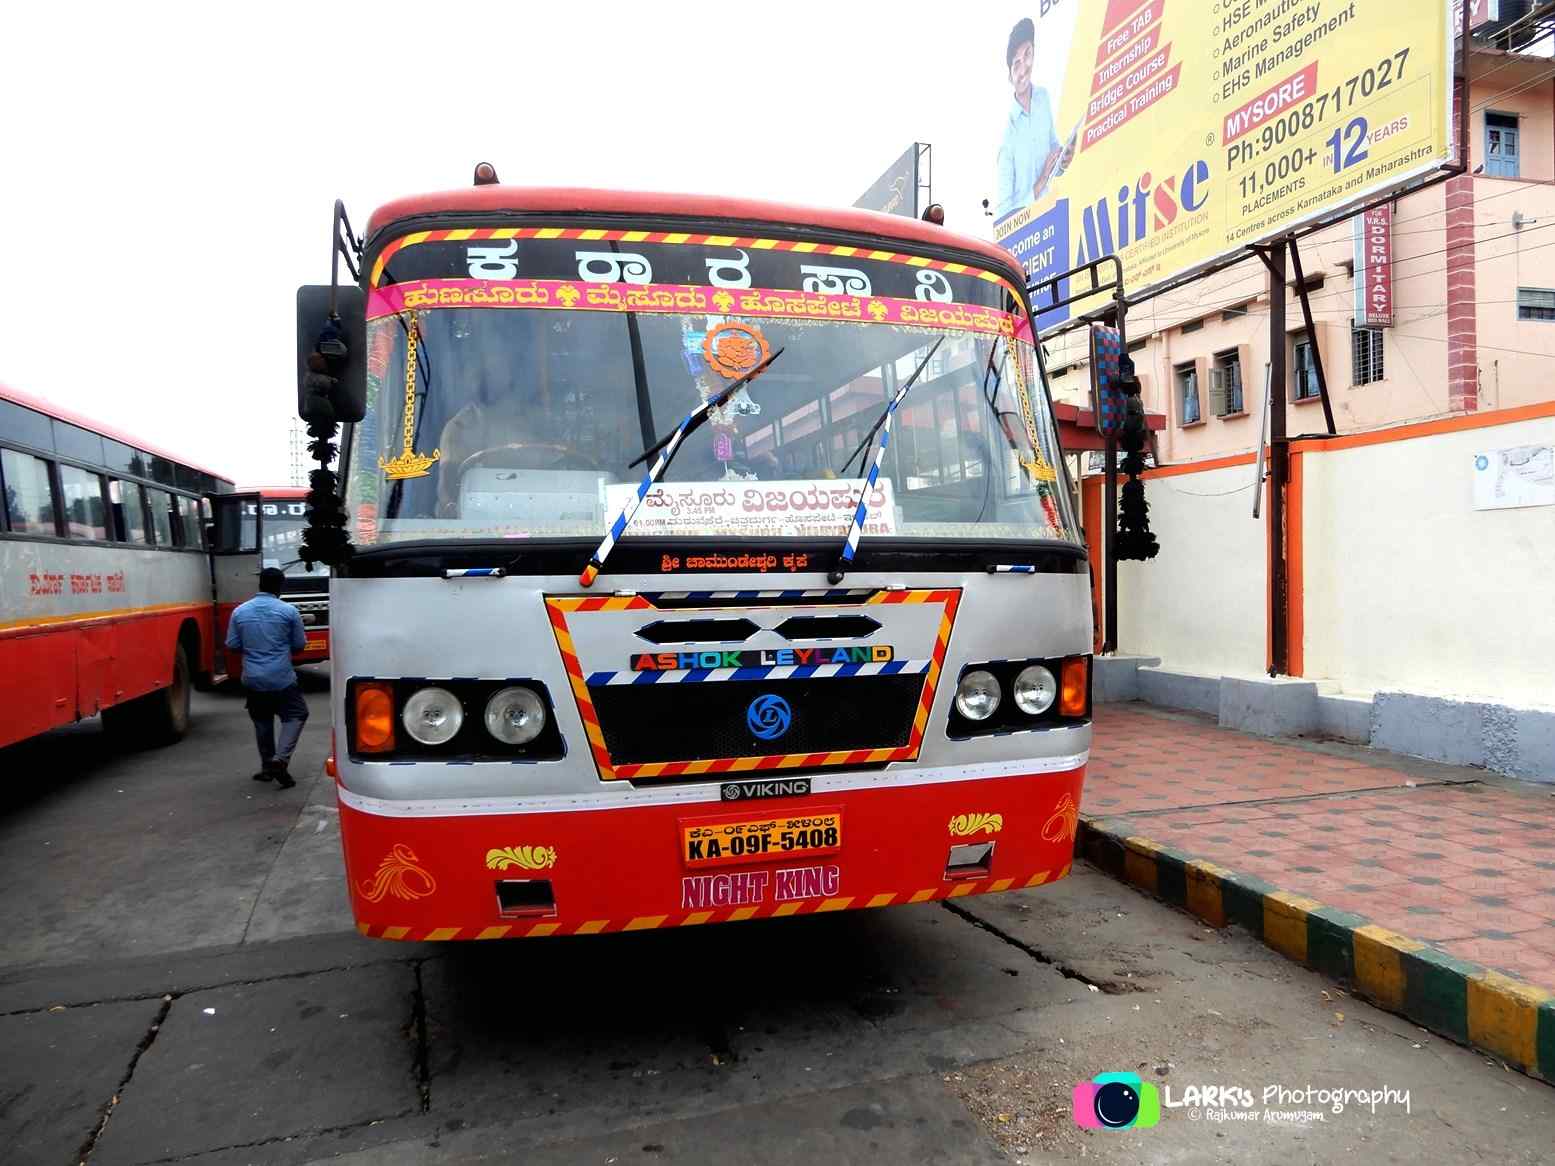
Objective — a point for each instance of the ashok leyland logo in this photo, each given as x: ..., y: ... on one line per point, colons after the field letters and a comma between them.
x: 1116, y: 1101
x: 768, y: 716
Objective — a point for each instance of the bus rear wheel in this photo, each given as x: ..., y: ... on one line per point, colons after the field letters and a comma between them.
x: 158, y: 718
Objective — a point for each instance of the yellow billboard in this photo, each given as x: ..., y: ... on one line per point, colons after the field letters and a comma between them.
x: 1173, y: 133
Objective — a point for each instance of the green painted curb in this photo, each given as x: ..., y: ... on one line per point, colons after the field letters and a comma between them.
x: 1430, y: 987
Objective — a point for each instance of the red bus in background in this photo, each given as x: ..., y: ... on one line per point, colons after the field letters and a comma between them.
x: 105, y: 584
x: 261, y: 526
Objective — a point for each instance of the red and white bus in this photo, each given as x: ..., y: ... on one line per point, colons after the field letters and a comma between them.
x: 105, y: 585
x: 828, y: 654
x: 268, y: 522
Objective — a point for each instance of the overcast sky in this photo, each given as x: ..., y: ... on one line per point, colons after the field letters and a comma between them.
x: 167, y: 171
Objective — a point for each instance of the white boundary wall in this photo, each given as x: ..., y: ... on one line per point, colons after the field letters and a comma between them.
x: 1199, y: 604
x: 1410, y: 589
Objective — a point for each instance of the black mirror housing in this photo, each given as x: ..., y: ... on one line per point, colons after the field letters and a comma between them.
x: 348, y: 395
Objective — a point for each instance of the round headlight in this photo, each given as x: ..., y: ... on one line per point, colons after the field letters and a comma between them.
x: 977, y: 696
x: 1035, y: 690
x: 433, y: 716
x: 515, y: 715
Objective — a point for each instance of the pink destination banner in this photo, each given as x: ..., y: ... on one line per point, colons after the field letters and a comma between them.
x: 684, y: 299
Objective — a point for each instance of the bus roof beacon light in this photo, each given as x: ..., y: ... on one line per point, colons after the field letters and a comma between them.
x: 485, y: 174
x: 934, y: 213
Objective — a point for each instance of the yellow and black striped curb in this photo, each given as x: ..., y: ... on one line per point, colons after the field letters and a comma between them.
x: 1456, y: 998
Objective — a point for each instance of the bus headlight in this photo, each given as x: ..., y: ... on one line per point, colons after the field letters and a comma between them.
x: 433, y: 716
x: 1034, y: 690
x: 515, y: 715
x: 977, y: 696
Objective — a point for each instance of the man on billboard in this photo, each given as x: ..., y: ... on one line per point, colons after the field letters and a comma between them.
x: 1030, y: 156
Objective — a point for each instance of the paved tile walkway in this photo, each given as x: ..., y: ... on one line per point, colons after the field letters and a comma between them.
x: 1429, y: 851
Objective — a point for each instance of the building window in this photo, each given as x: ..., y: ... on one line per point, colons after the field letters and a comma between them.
x: 1303, y: 368
x: 1365, y: 355
x: 29, y: 493
x: 1234, y: 313
x: 1192, y: 326
x: 1188, y: 392
x: 1225, y: 384
x: 1535, y: 303
x: 1501, y: 145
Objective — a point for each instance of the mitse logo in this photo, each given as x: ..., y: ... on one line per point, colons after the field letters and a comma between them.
x: 1109, y: 225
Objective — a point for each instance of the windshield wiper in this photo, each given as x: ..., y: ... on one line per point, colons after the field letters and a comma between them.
x: 666, y: 447
x: 883, y: 424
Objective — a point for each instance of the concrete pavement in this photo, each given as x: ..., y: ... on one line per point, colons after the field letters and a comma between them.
x: 1429, y: 887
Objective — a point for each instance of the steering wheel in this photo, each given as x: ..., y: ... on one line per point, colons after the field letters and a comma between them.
x: 550, y: 457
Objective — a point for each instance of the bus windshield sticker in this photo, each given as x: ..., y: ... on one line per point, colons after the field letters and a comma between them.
x: 819, y: 508
x: 733, y: 349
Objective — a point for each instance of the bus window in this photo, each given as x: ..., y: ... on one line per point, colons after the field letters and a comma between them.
x: 161, y: 503
x: 25, y: 426
x: 85, y: 514
x: 129, y: 511
x: 29, y: 495
x: 189, y: 522
x: 81, y: 444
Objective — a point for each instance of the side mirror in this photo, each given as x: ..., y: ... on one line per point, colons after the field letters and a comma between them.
x: 348, y: 395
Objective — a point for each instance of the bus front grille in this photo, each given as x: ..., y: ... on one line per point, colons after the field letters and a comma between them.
x: 647, y: 723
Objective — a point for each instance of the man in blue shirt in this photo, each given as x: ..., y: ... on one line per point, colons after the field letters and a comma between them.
x: 267, y: 631
x: 1029, y: 157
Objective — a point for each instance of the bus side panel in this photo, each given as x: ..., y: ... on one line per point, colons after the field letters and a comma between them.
x: 90, y: 625
x: 96, y: 652
x: 37, y: 683
x: 621, y: 869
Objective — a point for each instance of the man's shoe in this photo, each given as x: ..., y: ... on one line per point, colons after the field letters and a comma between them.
x: 283, y: 780
x: 264, y: 775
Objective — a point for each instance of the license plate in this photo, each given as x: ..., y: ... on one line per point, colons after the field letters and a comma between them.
x: 774, y: 838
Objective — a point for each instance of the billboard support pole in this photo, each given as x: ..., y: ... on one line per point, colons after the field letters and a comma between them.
x: 1273, y: 257
x: 1317, y: 349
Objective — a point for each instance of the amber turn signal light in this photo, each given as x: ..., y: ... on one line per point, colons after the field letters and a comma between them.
x: 374, y: 717
x: 1072, y: 686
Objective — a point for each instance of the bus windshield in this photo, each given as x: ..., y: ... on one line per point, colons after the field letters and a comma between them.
x: 284, y: 522
x: 506, y: 408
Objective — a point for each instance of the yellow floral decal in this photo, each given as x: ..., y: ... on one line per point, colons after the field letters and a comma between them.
x: 528, y: 857
x: 1064, y: 822
x: 400, y: 876
x: 965, y: 825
